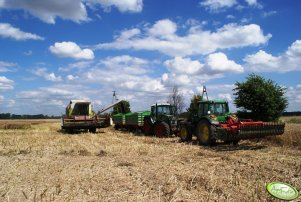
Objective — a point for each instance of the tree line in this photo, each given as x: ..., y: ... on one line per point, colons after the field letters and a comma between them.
x: 26, y: 116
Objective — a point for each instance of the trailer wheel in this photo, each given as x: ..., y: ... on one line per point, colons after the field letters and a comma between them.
x: 161, y: 129
x: 185, y: 133
x: 204, y: 133
x: 147, y: 127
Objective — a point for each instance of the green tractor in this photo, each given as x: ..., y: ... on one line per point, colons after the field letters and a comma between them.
x: 162, y: 121
x: 213, y: 122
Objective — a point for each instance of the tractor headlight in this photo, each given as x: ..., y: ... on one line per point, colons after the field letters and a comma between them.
x: 214, y: 122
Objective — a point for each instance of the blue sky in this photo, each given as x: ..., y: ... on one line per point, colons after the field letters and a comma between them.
x: 54, y: 51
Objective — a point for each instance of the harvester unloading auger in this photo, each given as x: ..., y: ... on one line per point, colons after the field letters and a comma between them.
x: 213, y: 121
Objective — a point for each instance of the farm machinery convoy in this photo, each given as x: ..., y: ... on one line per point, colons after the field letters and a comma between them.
x: 210, y: 123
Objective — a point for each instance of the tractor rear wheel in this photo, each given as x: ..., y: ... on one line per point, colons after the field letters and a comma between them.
x: 161, y: 129
x: 147, y: 127
x: 204, y: 133
x: 185, y: 133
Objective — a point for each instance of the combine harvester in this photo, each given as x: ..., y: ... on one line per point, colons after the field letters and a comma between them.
x: 159, y: 121
x: 80, y: 116
x: 213, y: 122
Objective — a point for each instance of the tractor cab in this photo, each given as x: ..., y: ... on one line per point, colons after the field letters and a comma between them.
x: 162, y: 109
x: 214, y: 109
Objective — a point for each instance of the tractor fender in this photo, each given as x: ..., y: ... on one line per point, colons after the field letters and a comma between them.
x: 212, y: 122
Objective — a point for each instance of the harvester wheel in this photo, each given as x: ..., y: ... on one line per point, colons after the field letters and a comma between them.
x: 147, y: 127
x: 185, y: 133
x: 204, y: 133
x: 161, y: 129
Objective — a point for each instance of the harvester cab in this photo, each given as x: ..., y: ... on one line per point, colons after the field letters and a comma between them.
x: 213, y: 121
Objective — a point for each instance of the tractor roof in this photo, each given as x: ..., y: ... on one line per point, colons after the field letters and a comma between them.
x: 213, y: 101
x: 79, y: 101
x: 162, y: 104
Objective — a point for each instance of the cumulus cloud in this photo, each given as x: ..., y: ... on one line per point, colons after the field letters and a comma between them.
x: 191, y: 73
x: 47, y: 11
x: 8, y: 31
x: 134, y: 74
x: 262, y: 61
x: 123, y: 6
x: 219, y: 62
x: 181, y: 65
x: 6, y: 84
x: 7, y: 66
x: 49, y: 76
x: 162, y: 37
x: 217, y: 5
x: 71, y: 50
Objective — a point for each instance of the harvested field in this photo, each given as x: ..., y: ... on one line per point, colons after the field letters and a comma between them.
x: 39, y: 163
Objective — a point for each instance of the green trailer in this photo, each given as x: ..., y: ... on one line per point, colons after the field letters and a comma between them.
x: 131, y: 120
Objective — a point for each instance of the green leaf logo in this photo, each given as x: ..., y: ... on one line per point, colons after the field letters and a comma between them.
x: 282, y: 191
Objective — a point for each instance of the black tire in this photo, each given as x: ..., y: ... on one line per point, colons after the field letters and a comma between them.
x: 204, y: 133
x: 235, y: 142
x: 147, y: 127
x: 161, y: 129
x: 92, y: 130
x: 185, y: 134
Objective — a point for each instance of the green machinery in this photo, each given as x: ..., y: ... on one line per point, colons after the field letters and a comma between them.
x: 213, y: 121
x: 160, y: 121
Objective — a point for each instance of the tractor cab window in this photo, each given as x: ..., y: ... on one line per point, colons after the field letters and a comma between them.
x: 162, y: 109
x: 218, y: 108
x: 213, y: 108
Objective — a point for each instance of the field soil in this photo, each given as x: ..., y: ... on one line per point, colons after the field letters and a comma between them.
x: 40, y: 163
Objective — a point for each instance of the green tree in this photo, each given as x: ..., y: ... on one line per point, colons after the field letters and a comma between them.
x: 122, y: 107
x: 259, y: 99
x: 193, y: 108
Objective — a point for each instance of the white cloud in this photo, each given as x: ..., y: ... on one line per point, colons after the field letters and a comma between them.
x: 189, y: 74
x: 122, y: 6
x: 71, y: 50
x: 269, y: 13
x: 181, y: 65
x: 134, y: 74
x: 81, y: 65
x: 217, y: 5
x: 49, y: 76
x: 71, y: 77
x: 6, y: 84
x: 219, y: 62
x: 197, y: 41
x: 293, y: 94
x: 7, y: 66
x: 47, y: 11
x: 265, y: 62
x: 163, y: 28
x: 251, y: 2
x: 8, y: 31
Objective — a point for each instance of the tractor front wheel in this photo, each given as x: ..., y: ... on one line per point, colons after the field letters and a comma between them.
x: 92, y: 130
x: 185, y: 133
x: 204, y: 133
x: 161, y: 129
